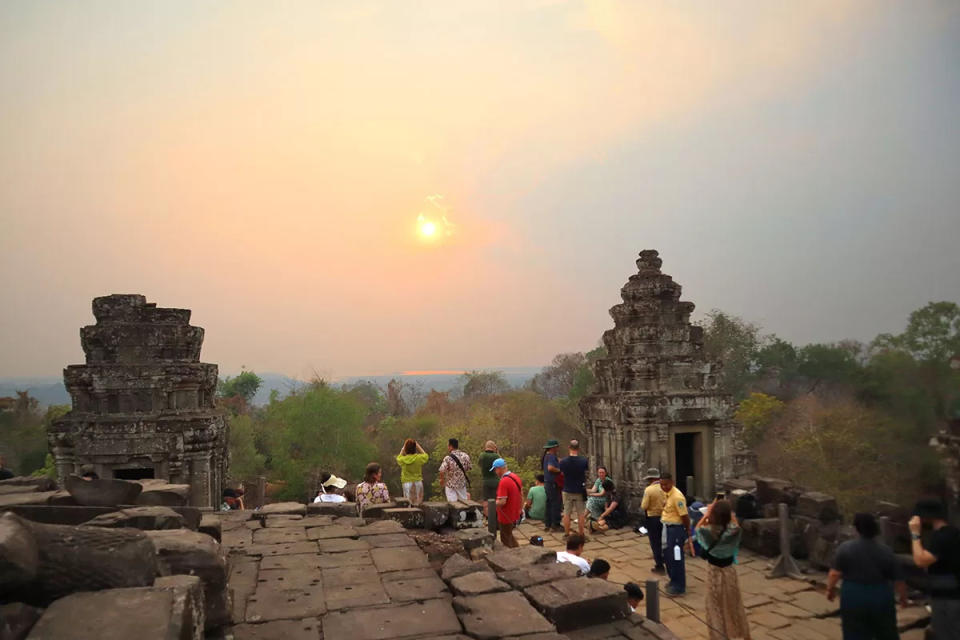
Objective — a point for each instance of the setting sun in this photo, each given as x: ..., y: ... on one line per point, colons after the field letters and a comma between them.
x: 427, y: 228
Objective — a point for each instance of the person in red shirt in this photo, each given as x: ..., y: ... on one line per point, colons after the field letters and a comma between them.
x: 509, y: 502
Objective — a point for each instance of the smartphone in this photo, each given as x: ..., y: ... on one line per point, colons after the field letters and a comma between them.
x: 721, y: 495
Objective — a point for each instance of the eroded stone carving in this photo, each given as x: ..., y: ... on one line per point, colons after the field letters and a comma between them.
x: 143, y: 404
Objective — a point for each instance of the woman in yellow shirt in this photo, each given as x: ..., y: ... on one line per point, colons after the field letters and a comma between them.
x: 411, y: 459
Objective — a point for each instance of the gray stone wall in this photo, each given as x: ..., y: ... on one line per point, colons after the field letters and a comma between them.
x: 656, y: 384
x: 143, y: 402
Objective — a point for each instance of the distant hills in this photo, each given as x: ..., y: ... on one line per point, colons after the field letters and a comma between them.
x: 49, y: 390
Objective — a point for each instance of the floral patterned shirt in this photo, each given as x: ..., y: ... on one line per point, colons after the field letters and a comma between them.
x: 368, y: 494
x: 452, y: 476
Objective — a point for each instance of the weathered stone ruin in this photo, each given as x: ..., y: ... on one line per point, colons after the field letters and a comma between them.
x: 657, y: 401
x: 143, y: 404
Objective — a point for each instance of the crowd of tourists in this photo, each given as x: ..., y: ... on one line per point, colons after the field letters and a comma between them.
x: 562, y: 497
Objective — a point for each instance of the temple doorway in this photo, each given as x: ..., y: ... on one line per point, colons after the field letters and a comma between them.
x: 691, y: 461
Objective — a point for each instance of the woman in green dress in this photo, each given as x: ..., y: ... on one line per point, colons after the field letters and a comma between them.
x: 719, y: 533
x: 490, y: 479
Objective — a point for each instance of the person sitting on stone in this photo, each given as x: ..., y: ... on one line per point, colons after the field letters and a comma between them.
x: 596, y: 503
x: 634, y: 595
x: 229, y: 500
x: 614, y: 514
x: 574, y: 553
x: 536, y: 505
x: 599, y: 568
x: 372, y: 490
x: 333, y: 489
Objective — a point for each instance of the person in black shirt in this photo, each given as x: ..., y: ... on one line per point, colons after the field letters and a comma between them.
x: 940, y: 556
x: 867, y: 568
x: 574, y: 469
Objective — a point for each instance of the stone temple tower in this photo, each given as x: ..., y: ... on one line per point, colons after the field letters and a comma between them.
x: 143, y: 404
x: 656, y: 402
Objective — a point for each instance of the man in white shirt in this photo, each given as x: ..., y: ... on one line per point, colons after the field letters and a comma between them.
x: 573, y: 554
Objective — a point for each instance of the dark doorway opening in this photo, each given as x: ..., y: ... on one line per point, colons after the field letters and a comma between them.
x: 685, y: 445
x: 139, y: 473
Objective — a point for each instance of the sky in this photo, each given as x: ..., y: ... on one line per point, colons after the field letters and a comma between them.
x: 271, y: 166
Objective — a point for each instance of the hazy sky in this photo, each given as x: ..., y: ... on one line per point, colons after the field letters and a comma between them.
x: 265, y: 164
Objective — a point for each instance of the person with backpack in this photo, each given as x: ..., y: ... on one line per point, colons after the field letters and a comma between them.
x: 719, y: 533
x: 453, y: 472
x: 509, y: 502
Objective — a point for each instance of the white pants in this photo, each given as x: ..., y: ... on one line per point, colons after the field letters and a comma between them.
x: 413, y: 491
x: 454, y: 495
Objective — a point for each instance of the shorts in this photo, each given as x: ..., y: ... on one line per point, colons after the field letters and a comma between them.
x: 408, y: 489
x: 453, y: 495
x: 573, y: 504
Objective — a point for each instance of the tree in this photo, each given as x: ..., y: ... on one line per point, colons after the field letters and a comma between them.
x: 396, y: 405
x: 246, y: 462
x: 932, y: 334
x: 836, y: 363
x: 244, y: 386
x: 484, y: 383
x: 756, y: 413
x: 736, y: 343
x: 559, y: 378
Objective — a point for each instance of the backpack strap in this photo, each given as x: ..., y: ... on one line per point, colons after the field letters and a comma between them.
x: 460, y: 465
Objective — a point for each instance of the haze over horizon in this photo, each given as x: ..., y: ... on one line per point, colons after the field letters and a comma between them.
x: 372, y: 187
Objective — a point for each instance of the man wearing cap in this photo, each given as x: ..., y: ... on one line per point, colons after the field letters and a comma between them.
x: 509, y: 502
x: 940, y: 556
x: 652, y: 505
x: 551, y: 467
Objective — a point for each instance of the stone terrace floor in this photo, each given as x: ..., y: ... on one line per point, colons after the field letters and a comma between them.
x: 778, y: 609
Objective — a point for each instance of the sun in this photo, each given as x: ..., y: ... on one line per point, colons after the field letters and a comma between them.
x: 428, y: 229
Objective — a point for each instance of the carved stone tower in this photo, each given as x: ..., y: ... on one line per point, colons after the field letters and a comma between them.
x: 143, y: 404
x: 657, y: 402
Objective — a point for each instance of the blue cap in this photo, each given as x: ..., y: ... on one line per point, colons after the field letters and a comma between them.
x: 499, y: 462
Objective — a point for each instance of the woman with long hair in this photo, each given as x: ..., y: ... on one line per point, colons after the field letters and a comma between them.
x: 411, y: 459
x: 372, y: 490
x: 869, y: 571
x: 719, y: 534
x: 596, y: 502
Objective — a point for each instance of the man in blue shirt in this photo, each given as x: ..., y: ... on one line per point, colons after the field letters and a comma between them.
x: 550, y: 465
x: 574, y: 468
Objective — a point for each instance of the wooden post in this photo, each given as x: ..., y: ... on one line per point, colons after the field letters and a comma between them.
x: 492, y: 516
x: 653, y: 600
x: 786, y: 565
x: 262, y: 491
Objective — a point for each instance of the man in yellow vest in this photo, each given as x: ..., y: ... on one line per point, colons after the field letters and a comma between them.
x: 652, y: 505
x: 676, y: 524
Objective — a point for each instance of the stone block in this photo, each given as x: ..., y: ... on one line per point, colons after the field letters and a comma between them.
x: 739, y: 484
x: 897, y: 514
x: 27, y: 483
x: 331, y: 531
x: 286, y: 508
x: 19, y: 555
x: 339, y: 576
x: 496, y: 615
x: 279, y: 536
x: 477, y: 583
x: 16, y: 620
x: 146, y: 518
x: 820, y: 506
x: 183, y: 552
x: 577, y: 603
x: 358, y: 594
x: 475, y: 538
x: 292, y: 561
x: 400, y: 501
x: 25, y: 498
x: 144, y: 613
x: 466, y: 515
x: 405, y: 589
x: 409, y: 517
x: 105, y: 492
x: 388, y: 540
x: 287, y: 549
x: 438, y: 547
x: 775, y: 491
x: 378, y: 528
x: 457, y: 566
x: 61, y: 498
x: 538, y: 574
x: 242, y: 574
x: 212, y: 526
x: 762, y: 535
x: 339, y: 545
x: 282, y: 520
x: 283, y: 579
x: 306, y: 629
x: 332, y: 509
x: 345, y: 559
x: 435, y: 514
x: 510, y: 559
x: 271, y: 604
x: 415, y: 620
x: 160, y: 493
x: 399, y: 559
x: 375, y: 511
x: 188, y: 597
